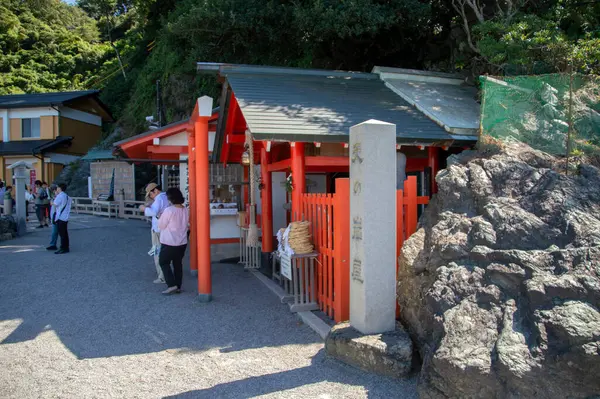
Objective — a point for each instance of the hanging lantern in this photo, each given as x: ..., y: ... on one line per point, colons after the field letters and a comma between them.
x: 245, y: 158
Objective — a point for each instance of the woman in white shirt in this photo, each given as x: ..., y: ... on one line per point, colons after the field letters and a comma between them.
x: 173, y: 226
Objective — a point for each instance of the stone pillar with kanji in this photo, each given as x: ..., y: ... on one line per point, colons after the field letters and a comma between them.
x: 20, y: 171
x: 373, y: 227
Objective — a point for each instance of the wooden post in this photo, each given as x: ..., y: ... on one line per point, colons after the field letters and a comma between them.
x: 192, y: 201
x: 266, y: 201
x: 121, y: 210
x: 341, y: 245
x: 202, y: 199
x: 434, y: 164
x: 298, y: 179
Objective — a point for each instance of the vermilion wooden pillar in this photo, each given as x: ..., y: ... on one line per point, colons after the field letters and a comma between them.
x: 341, y: 248
x: 434, y: 164
x: 266, y: 201
x: 298, y: 179
x: 204, y: 109
x: 192, y: 201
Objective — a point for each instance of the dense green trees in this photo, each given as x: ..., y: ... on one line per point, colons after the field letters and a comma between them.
x: 46, y: 45
x: 124, y: 46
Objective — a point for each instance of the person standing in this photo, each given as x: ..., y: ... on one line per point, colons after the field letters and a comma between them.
x: 159, y: 204
x: 49, y: 200
x: 8, y: 193
x: 54, y: 234
x: 173, y: 225
x: 62, y: 211
x: 29, y: 198
x: 42, y: 200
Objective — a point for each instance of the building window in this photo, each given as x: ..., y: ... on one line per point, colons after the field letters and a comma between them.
x: 30, y: 128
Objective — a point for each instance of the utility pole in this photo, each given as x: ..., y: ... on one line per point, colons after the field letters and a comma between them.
x: 158, y: 108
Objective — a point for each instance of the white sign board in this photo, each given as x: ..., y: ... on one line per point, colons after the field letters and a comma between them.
x: 286, y: 266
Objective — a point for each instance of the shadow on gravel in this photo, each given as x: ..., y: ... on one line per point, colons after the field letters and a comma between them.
x: 101, y: 302
x: 313, y: 374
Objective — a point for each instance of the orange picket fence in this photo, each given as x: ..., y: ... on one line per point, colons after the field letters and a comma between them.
x: 329, y: 215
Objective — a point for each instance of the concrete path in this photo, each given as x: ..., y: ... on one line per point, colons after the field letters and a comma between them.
x: 91, y: 324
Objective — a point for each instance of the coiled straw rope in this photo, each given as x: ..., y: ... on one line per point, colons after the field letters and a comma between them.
x: 299, y: 237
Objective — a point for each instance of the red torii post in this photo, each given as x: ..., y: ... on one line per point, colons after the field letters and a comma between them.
x: 200, y: 117
x: 298, y: 179
x: 266, y: 201
x: 191, y: 166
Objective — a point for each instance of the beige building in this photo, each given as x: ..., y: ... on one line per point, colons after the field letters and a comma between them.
x: 48, y: 130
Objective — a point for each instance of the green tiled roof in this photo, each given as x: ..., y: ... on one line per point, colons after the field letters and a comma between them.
x: 100, y: 155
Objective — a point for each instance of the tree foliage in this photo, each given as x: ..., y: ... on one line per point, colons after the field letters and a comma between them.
x: 125, y: 46
x: 353, y: 35
x: 47, y: 45
x: 531, y: 38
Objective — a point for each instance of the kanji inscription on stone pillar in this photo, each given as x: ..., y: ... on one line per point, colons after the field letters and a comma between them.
x: 373, y: 227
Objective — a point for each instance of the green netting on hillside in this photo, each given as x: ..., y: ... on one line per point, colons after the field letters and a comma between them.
x: 538, y: 110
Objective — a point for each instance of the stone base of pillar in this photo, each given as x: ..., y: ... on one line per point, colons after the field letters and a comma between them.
x: 389, y: 354
x: 21, y: 227
x: 204, y: 298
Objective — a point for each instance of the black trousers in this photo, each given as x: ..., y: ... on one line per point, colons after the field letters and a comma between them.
x: 63, y: 234
x: 169, y: 254
x: 40, y: 211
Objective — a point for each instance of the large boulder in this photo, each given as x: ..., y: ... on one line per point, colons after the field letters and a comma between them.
x: 500, y: 286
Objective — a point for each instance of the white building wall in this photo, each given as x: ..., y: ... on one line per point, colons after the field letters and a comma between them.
x: 279, y: 199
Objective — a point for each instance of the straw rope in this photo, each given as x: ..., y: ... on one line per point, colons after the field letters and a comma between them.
x: 299, y: 238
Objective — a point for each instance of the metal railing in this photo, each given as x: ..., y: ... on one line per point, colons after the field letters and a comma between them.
x: 249, y: 255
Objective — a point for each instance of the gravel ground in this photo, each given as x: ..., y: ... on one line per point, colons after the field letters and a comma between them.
x: 91, y: 324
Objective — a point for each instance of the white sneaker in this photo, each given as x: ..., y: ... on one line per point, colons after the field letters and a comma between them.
x: 170, y: 290
x: 159, y: 281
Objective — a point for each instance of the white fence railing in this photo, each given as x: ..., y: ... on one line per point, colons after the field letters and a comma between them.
x: 117, y: 209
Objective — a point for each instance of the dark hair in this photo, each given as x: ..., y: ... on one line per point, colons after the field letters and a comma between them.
x: 9, y: 187
x: 38, y: 183
x: 62, y: 186
x: 174, y: 196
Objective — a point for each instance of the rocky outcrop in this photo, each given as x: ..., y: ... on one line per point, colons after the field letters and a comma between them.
x: 75, y: 176
x: 8, y: 228
x: 500, y: 286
